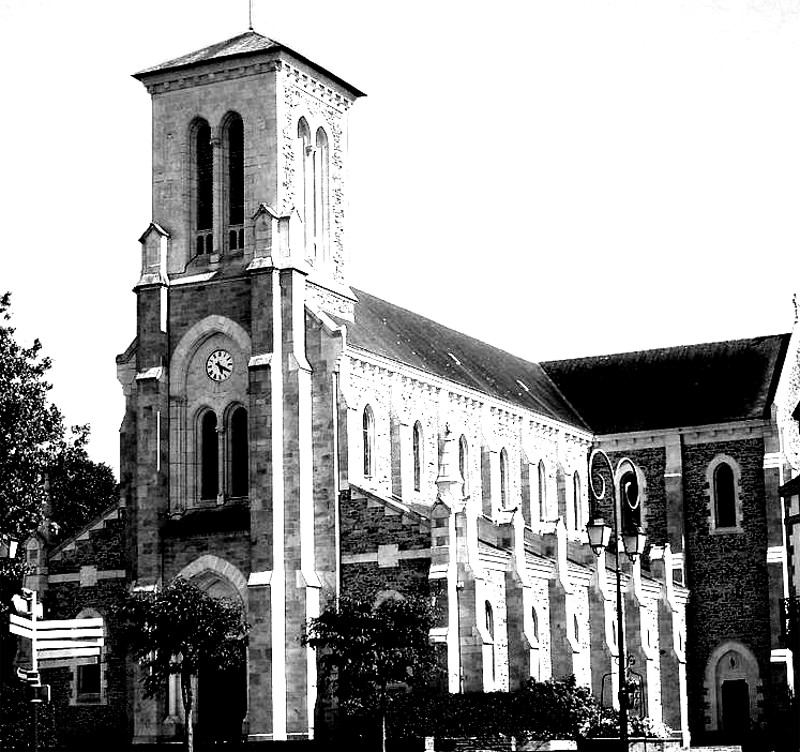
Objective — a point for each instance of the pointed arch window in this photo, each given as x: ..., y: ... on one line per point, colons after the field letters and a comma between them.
x: 723, y: 482
x: 504, y: 492
x: 416, y: 441
x: 209, y: 456
x: 463, y: 463
x: 321, y: 195
x: 368, y: 440
x: 234, y: 195
x: 203, y: 173
x: 239, y: 449
x: 542, y: 484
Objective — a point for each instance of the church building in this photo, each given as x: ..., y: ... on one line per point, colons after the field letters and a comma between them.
x: 287, y: 438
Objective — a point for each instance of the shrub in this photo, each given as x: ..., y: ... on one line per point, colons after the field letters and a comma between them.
x: 540, y: 711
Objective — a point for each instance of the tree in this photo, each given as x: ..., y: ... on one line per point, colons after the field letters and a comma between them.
x: 181, y: 630
x: 80, y: 489
x: 31, y: 430
x: 370, y: 645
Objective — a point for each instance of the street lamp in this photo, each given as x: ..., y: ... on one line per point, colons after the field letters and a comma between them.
x: 8, y: 550
x: 626, y: 527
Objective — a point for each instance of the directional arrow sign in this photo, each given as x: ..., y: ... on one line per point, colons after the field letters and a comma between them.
x: 67, y: 653
x: 91, y: 642
x: 69, y: 662
x: 60, y: 629
x: 95, y: 622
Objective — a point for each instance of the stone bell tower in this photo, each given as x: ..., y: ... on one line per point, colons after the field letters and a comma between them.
x: 222, y: 474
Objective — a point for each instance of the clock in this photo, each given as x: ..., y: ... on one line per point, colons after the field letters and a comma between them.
x: 219, y: 365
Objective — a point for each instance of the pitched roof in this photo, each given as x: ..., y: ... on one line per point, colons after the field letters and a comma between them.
x: 396, y: 333
x: 676, y: 386
x: 249, y: 43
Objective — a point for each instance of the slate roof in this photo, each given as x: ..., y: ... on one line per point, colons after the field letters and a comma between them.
x: 249, y: 43
x: 670, y: 387
x: 401, y: 335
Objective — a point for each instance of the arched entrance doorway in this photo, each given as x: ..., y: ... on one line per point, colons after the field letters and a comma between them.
x: 732, y: 679
x: 221, y: 694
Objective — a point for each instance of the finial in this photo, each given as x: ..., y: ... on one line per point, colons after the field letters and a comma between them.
x: 794, y: 303
x: 250, y: 14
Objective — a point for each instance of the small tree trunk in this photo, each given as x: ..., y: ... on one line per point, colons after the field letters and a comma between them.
x: 188, y: 708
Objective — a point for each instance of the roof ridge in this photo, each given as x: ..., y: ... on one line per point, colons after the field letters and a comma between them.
x: 666, y: 349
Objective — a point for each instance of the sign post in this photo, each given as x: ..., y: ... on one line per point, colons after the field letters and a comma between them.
x: 54, y: 643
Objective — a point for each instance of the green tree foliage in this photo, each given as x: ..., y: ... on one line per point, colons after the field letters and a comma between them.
x: 365, y: 647
x: 31, y: 430
x: 181, y: 630
x: 80, y: 489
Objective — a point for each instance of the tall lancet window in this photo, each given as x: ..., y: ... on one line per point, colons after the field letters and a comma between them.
x: 724, y: 496
x: 368, y: 438
x: 542, y: 483
x: 463, y: 463
x: 234, y: 150
x: 416, y: 442
x: 504, y: 478
x: 203, y: 187
x: 239, y: 453
x: 305, y: 188
x: 577, y: 502
x: 321, y: 196
x: 209, y: 456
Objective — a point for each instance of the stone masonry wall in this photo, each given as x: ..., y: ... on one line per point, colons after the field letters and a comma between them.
x: 727, y: 572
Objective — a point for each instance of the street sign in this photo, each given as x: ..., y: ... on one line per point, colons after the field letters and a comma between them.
x: 91, y: 660
x: 32, y: 677
x: 56, y: 642
x: 74, y: 652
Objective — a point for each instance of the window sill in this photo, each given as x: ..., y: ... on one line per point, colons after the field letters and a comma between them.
x: 89, y: 699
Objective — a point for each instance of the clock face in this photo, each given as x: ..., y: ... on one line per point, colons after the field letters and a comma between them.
x: 219, y: 365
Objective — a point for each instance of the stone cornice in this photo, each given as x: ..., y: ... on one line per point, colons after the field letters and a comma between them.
x: 238, y: 68
x: 735, y: 430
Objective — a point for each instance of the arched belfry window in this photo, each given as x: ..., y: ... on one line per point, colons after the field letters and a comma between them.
x: 209, y: 456
x: 305, y: 187
x: 724, y: 496
x: 722, y: 477
x: 239, y: 466
x: 416, y: 441
x: 368, y: 440
x: 203, y: 174
x: 504, y: 478
x: 234, y: 194
x: 321, y: 195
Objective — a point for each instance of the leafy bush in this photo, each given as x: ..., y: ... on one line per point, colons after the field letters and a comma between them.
x: 606, y: 723
x: 541, y: 711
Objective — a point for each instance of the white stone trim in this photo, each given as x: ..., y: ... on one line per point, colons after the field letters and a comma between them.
x: 221, y: 567
x: 373, y: 557
x: 103, y: 574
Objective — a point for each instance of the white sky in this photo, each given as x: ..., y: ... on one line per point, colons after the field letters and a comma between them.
x: 559, y: 178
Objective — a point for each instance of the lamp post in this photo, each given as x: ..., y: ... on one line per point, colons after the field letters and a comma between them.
x: 8, y: 550
x: 624, y: 488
